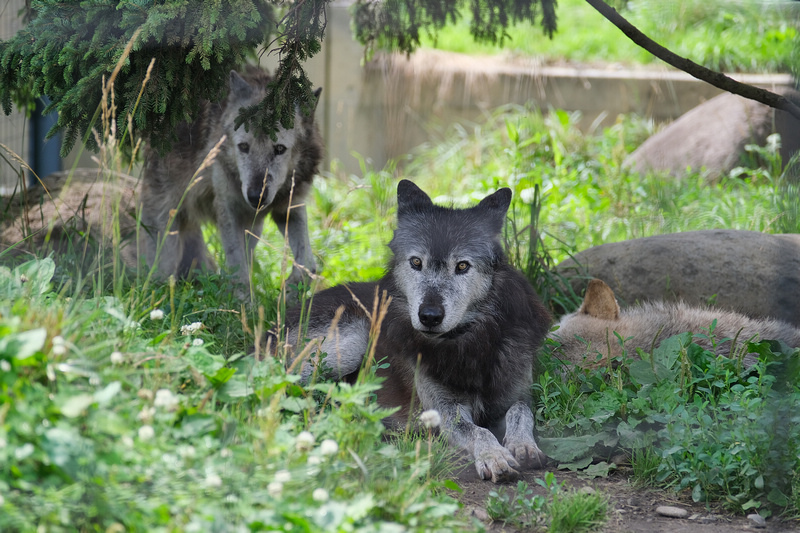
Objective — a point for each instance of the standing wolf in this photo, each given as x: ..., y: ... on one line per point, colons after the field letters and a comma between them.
x: 250, y: 177
x: 586, y: 337
x: 460, y: 335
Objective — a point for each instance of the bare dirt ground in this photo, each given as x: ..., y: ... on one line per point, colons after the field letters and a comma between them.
x: 631, y: 509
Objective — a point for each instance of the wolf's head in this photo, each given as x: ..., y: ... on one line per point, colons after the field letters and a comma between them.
x: 263, y: 165
x: 445, y: 259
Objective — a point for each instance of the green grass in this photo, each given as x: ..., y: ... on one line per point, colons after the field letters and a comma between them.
x: 114, y: 417
x: 559, y: 511
x: 695, y: 421
x: 749, y: 36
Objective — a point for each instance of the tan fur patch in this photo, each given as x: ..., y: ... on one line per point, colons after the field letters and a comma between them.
x: 599, y: 301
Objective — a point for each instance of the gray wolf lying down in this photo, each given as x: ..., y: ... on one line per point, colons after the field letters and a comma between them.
x: 461, y: 332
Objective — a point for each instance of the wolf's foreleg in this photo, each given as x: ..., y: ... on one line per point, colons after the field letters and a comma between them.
x: 492, y: 460
x: 519, y: 436
x: 232, y: 234
x: 295, y: 227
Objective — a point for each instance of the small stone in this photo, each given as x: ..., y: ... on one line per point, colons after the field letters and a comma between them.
x: 757, y: 520
x: 480, y: 514
x: 672, y: 512
x: 587, y: 490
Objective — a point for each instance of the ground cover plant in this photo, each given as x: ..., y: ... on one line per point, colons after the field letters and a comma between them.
x: 750, y: 36
x: 130, y: 403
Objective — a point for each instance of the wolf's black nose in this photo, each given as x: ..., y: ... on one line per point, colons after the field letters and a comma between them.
x: 257, y: 196
x: 254, y: 197
x: 431, y: 315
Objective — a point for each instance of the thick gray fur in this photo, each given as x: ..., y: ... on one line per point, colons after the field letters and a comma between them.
x: 461, y: 333
x: 586, y: 337
x: 250, y: 177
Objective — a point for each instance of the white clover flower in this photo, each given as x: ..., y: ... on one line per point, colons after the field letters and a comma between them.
x: 314, y: 460
x: 5, y: 366
x: 328, y: 447
x: 274, y: 488
x: 117, y: 358
x: 127, y: 441
x: 320, y: 495
x: 187, y: 452
x: 59, y: 345
x: 225, y: 452
x: 430, y: 418
x: 145, y: 394
x: 146, y: 432
x: 304, y: 441
x: 197, y: 342
x: 3, y: 443
x: 23, y: 278
x: 156, y: 314
x: 283, y: 476
x: 213, y: 480
x: 146, y: 414
x: 188, y: 329
x: 165, y: 399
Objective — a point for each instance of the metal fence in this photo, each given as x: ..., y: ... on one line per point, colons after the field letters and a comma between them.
x: 14, y: 127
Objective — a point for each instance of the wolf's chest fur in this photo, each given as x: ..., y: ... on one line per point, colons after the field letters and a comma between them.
x: 485, y: 360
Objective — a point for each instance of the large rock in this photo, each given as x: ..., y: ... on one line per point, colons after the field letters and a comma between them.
x: 746, y: 271
x: 713, y: 135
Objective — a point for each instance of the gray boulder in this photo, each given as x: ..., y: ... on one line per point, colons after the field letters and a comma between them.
x: 754, y: 273
x: 713, y: 135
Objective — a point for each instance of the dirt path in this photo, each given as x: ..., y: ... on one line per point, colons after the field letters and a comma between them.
x: 631, y: 509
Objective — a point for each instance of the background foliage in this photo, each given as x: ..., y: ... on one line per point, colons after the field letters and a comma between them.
x: 68, y: 48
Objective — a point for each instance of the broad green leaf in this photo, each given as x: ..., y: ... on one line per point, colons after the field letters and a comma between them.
x: 24, y: 344
x: 601, y: 469
x: 221, y: 376
x: 574, y: 466
x: 75, y: 405
x: 104, y: 396
x: 236, y: 388
x: 570, y: 449
x: 204, y: 362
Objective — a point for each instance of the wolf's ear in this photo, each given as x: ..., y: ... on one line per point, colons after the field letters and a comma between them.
x: 499, y: 200
x: 599, y: 301
x: 309, y: 118
x: 496, y: 206
x: 317, y: 94
x: 240, y: 89
x: 409, y: 195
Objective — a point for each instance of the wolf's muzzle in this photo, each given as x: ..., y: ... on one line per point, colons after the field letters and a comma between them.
x: 431, y: 314
x: 257, y: 193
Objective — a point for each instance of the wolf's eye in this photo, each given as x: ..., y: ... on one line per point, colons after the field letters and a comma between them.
x: 416, y: 263
x: 279, y: 149
x: 243, y: 147
x: 462, y: 267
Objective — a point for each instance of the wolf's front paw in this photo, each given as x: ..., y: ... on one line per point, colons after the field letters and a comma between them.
x: 526, y: 452
x: 497, y: 464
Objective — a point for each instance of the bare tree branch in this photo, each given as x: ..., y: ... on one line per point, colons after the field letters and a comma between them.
x: 717, y: 79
